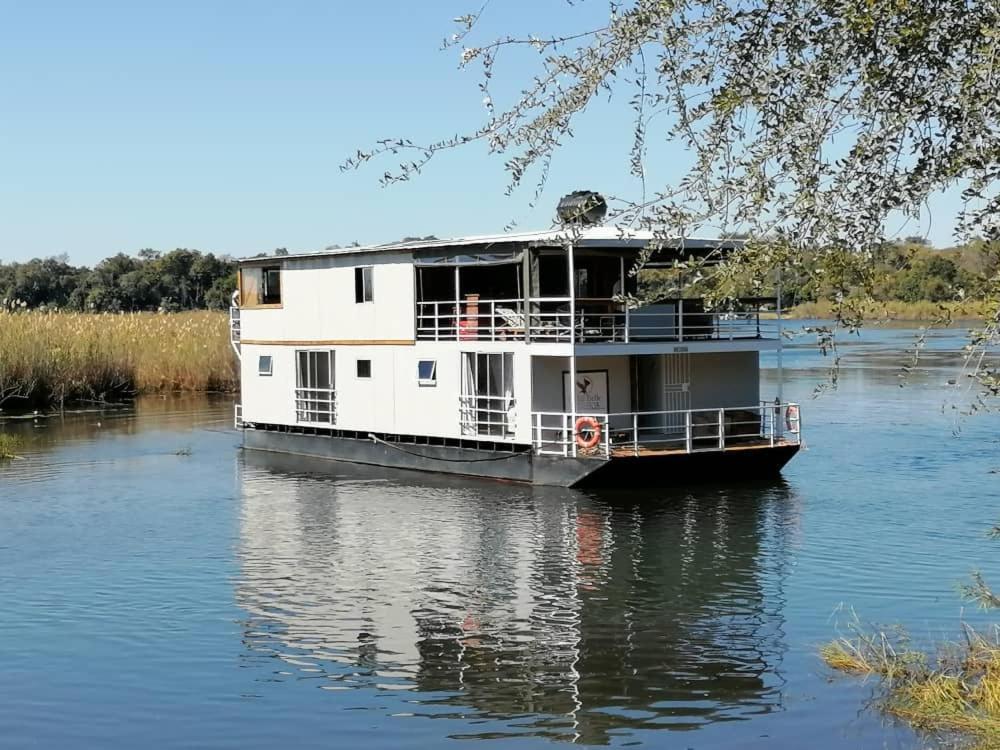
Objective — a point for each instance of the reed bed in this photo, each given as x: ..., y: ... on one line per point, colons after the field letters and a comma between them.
x: 897, y: 310
x: 958, y: 690
x: 55, y: 358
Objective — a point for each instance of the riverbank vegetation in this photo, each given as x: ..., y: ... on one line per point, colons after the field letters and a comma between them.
x: 955, y: 690
x: 906, y: 280
x: 149, y: 281
x: 9, y: 446
x: 54, y: 358
x: 970, y: 310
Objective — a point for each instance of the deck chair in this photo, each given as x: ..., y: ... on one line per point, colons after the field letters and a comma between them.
x: 514, y: 324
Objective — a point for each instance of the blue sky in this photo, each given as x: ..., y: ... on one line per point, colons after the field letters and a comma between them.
x: 221, y: 126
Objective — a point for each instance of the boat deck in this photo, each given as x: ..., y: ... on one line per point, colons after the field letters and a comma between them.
x: 672, y: 448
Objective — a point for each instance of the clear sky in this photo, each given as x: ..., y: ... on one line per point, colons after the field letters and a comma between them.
x: 221, y: 126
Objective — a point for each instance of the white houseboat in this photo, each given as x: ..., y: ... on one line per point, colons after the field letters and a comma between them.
x: 512, y: 357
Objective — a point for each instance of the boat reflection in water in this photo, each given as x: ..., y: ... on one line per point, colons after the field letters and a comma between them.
x: 538, y: 610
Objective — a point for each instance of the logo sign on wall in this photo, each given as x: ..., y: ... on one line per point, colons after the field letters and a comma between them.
x: 591, y: 392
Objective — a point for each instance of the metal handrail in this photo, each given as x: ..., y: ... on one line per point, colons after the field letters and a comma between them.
x: 316, y: 405
x: 682, y: 430
x: 536, y: 318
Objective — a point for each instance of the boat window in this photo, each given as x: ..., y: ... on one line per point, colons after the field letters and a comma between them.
x: 427, y: 372
x: 364, y: 368
x: 364, y: 287
x: 260, y: 285
x: 264, y: 364
x: 272, y: 286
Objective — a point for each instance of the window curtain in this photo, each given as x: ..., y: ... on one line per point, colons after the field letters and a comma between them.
x: 510, y: 404
x: 250, y: 283
x: 468, y: 415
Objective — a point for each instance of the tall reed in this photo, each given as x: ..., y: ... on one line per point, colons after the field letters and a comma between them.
x: 54, y: 358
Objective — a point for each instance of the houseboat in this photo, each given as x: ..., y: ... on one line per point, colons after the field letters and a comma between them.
x: 520, y: 356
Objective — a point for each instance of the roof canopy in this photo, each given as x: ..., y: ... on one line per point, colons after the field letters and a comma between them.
x: 603, y: 237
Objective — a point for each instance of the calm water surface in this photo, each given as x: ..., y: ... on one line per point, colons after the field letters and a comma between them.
x: 160, y: 588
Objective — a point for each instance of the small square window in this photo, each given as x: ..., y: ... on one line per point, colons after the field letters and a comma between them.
x: 364, y: 368
x: 427, y: 372
x: 364, y: 284
x: 264, y: 364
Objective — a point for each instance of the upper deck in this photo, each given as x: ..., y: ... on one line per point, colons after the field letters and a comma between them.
x: 577, y: 288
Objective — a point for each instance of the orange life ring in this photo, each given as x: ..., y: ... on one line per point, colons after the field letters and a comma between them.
x: 587, y: 425
x: 792, y: 418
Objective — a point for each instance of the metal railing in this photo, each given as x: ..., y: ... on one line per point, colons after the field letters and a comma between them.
x: 595, y: 320
x: 238, y: 416
x: 316, y: 405
x: 683, y: 431
x: 235, y: 326
x: 487, y: 416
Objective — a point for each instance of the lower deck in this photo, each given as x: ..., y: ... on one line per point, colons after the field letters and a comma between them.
x: 521, y: 463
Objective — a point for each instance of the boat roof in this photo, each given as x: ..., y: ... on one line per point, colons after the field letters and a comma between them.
x: 596, y: 236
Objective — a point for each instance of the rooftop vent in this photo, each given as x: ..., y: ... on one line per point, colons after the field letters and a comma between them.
x: 582, y: 207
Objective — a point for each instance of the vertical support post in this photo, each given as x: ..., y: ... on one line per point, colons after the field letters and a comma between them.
x: 572, y: 342
x: 781, y: 343
x: 526, y: 293
x: 688, y: 437
x: 635, y: 433
x: 722, y: 429
x: 607, y: 436
x: 624, y: 295
x: 680, y: 319
x: 458, y: 305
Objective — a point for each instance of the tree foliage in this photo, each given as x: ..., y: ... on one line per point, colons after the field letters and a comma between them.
x: 807, y: 126
x: 178, y: 280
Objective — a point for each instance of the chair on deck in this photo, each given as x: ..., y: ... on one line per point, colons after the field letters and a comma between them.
x: 514, y: 324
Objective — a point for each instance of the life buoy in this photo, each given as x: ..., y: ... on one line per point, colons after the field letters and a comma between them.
x: 588, y: 432
x: 792, y: 418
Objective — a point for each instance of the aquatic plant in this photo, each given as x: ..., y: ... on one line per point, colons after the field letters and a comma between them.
x: 9, y: 445
x: 955, y: 689
x: 958, y: 689
x: 54, y: 358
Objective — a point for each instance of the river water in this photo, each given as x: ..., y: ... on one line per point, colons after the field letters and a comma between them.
x: 160, y: 588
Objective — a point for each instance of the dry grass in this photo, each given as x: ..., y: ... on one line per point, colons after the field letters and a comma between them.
x: 957, y: 691
x: 896, y: 310
x: 54, y: 358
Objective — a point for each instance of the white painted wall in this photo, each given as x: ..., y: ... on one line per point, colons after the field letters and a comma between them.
x: 392, y: 400
x: 318, y: 303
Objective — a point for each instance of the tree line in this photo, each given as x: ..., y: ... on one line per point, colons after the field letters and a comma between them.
x: 148, y: 281
x: 909, y: 270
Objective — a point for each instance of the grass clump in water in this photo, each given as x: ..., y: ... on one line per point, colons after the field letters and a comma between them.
x: 9, y: 446
x: 955, y: 690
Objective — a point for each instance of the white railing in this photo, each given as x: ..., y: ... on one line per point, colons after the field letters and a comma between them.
x: 315, y: 405
x: 235, y: 328
x: 682, y: 431
x: 487, y: 416
x: 595, y: 320
x: 238, y: 416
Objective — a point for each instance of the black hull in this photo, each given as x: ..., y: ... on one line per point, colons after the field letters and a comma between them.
x: 691, y: 468
x: 519, y: 464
